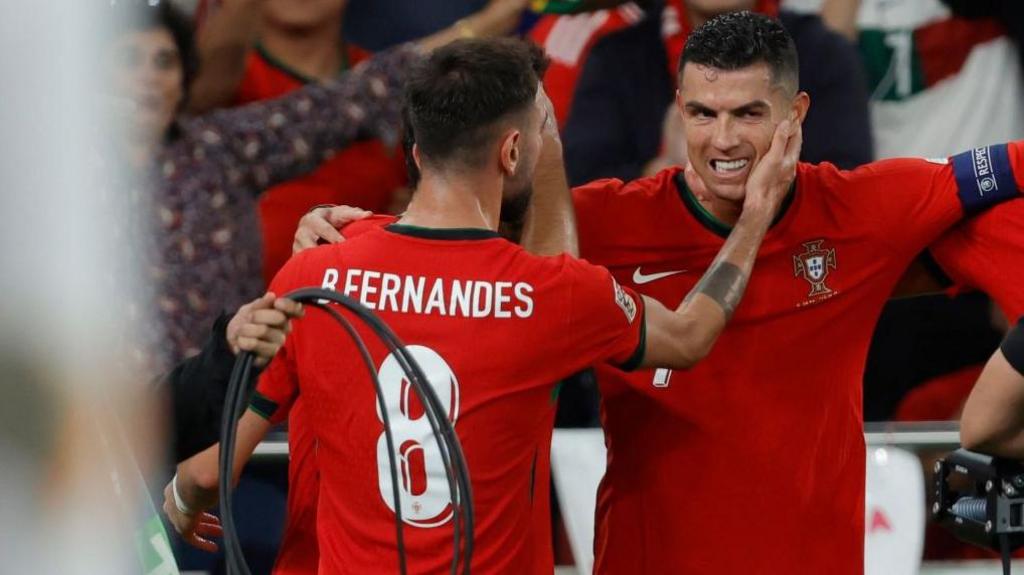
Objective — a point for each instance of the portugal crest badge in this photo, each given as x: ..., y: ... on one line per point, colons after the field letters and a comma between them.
x: 813, y: 264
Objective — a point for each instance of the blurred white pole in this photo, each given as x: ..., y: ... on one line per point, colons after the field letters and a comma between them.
x: 62, y: 495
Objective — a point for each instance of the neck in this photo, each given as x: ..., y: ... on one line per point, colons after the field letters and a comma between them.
x: 726, y: 211
x: 448, y: 200
x: 313, y: 52
x: 140, y: 150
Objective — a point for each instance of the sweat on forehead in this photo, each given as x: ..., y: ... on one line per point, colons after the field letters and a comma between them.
x: 741, y: 39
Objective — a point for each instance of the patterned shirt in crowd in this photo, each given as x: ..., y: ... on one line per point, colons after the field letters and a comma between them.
x: 209, y: 178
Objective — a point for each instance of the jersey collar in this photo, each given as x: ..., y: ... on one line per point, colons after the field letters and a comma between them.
x: 443, y: 233
x: 295, y: 74
x: 708, y: 220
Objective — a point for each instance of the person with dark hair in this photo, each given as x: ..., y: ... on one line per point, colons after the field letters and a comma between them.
x: 782, y: 388
x: 618, y: 126
x: 257, y: 50
x: 459, y: 295
x: 207, y: 173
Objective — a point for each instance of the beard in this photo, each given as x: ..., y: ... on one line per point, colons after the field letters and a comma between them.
x: 513, y: 208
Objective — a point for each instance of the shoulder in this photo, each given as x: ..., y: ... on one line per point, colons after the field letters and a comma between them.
x: 600, y: 195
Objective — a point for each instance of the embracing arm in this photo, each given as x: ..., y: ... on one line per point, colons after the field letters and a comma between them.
x: 679, y: 339
x: 550, y: 227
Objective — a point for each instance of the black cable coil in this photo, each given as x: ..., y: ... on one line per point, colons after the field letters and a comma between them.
x: 450, y: 449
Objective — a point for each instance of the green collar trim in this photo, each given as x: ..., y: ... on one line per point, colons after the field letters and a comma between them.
x: 295, y: 74
x: 708, y: 220
x: 443, y: 233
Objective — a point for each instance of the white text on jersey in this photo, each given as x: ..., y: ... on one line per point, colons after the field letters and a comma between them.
x: 382, y: 291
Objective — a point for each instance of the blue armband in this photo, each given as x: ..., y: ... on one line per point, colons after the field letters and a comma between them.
x: 984, y: 177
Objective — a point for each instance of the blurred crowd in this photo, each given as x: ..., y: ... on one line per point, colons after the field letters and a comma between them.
x: 246, y: 114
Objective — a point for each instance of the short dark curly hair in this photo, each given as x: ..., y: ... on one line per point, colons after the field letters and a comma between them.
x: 455, y: 98
x: 740, y: 39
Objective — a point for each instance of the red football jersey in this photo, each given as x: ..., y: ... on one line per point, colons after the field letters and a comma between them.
x: 754, y: 460
x: 298, y: 552
x: 987, y: 253
x: 494, y: 328
x: 364, y: 174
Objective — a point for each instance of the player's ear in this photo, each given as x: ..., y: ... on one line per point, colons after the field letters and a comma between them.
x: 510, y: 152
x: 801, y: 103
x: 416, y: 156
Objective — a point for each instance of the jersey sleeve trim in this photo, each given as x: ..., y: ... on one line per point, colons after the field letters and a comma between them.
x: 263, y: 406
x: 984, y: 177
x: 637, y: 357
x: 1013, y: 347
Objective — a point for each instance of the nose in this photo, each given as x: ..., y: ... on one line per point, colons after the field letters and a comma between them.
x: 724, y: 137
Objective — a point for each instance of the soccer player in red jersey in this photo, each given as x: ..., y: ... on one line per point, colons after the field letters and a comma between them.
x: 768, y: 434
x: 759, y: 467
x: 493, y: 326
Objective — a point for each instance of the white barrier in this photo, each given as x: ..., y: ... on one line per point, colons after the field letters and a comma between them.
x: 895, y: 501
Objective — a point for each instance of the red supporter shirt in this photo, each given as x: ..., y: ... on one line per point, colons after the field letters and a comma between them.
x: 754, y: 461
x: 364, y: 174
x: 493, y: 327
x: 987, y: 253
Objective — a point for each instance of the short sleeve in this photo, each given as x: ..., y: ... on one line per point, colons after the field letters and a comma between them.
x: 605, y: 321
x: 278, y: 386
x: 987, y: 253
x: 910, y: 202
x: 1013, y: 347
x: 277, y: 390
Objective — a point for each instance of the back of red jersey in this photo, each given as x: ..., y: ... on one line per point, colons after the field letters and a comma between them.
x: 494, y: 328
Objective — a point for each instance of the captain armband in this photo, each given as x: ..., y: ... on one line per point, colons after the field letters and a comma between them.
x: 984, y: 177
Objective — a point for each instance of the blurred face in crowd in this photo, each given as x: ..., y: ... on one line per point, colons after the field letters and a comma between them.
x: 303, y: 14
x: 729, y: 118
x: 148, y: 71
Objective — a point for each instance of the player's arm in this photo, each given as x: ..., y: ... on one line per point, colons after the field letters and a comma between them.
x: 679, y: 339
x: 550, y: 226
x: 194, y: 488
x: 223, y: 44
x: 993, y: 417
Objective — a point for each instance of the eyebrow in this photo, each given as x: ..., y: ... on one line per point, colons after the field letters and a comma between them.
x: 755, y: 106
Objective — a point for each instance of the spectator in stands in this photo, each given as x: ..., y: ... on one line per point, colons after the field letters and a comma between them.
x: 262, y: 49
x: 623, y: 122
x: 207, y: 173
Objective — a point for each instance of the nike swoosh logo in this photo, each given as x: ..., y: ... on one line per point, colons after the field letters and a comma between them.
x: 642, y: 278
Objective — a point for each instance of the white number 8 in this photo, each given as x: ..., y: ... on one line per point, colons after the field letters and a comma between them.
x: 422, y: 482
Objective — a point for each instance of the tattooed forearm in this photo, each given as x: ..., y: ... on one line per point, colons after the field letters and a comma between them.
x: 724, y: 283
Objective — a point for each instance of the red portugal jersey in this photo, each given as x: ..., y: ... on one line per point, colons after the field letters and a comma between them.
x: 364, y: 174
x: 298, y: 553
x: 987, y: 253
x: 494, y: 329
x: 754, y: 461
